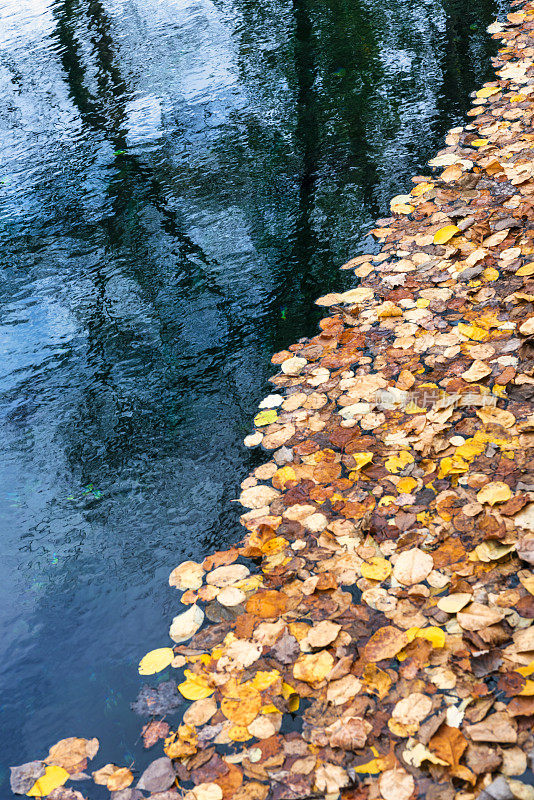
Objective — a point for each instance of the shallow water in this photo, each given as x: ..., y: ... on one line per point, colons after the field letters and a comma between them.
x: 179, y: 180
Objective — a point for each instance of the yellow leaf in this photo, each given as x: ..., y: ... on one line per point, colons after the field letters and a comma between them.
x: 373, y: 767
x: 314, y: 667
x: 386, y: 501
x: 526, y: 671
x: 406, y: 485
x: 376, y: 680
x: 195, y: 687
x: 362, y: 459
x: 452, y: 466
x: 421, y: 188
x: 376, y: 569
x: 473, y: 332
x: 294, y: 702
x: 239, y: 733
x: 285, y: 474
x: 263, y: 679
x: 525, y: 271
x: 494, y: 492
x: 52, y: 779
x: 445, y: 234
x: 527, y: 690
x: 433, y: 634
x: 399, y: 461
x: 287, y: 690
x: 156, y: 660
x: 490, y: 274
x: 479, y: 142
x: 487, y: 91
x: 265, y: 417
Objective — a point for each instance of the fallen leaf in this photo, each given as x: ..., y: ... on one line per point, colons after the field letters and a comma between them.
x: 494, y: 492
x: 376, y: 569
x: 153, y: 731
x: 158, y: 776
x: 498, y: 727
x: 396, y: 784
x: 323, y: 633
x: 314, y: 667
x: 195, y: 687
x: 53, y: 777
x: 453, y: 603
x: 156, y: 660
x: 185, y: 625
x: 448, y: 744
x: 242, y: 704
x: 445, y: 234
x: 24, y: 776
x: 413, y: 566
x: 385, y: 643
x: 187, y: 575
x: 478, y: 616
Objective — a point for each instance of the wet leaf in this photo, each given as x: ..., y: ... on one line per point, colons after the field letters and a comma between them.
x: 185, y: 625
x: 187, y: 575
x: 53, y: 777
x: 156, y: 660
x: 385, y: 643
x: 445, y: 234
x: 24, y: 776
x: 158, y: 776
x: 413, y: 566
x: 313, y: 668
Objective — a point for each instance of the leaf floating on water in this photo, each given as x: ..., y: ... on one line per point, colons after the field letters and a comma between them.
x: 156, y: 660
x: 187, y: 575
x: 195, y: 687
x: 445, y: 234
x: 53, y: 778
x: 24, y: 776
x: 185, y: 625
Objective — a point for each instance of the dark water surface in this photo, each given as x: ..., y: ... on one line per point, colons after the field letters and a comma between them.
x: 179, y: 179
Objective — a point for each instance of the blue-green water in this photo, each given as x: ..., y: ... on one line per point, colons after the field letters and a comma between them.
x: 179, y: 179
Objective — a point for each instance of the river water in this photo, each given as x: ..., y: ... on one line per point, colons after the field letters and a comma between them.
x: 179, y: 179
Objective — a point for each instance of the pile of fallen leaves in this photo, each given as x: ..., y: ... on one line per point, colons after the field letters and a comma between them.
x: 372, y: 637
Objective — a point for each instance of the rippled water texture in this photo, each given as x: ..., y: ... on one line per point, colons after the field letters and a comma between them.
x: 179, y: 180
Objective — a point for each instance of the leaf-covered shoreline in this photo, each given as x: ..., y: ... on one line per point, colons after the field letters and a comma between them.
x: 372, y: 637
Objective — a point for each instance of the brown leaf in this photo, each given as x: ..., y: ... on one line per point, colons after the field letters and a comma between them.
x: 396, y: 784
x: 349, y: 733
x: 413, y: 566
x: 267, y: 604
x: 385, y: 643
x: 153, y: 731
x: 448, y: 744
x: 499, y: 727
